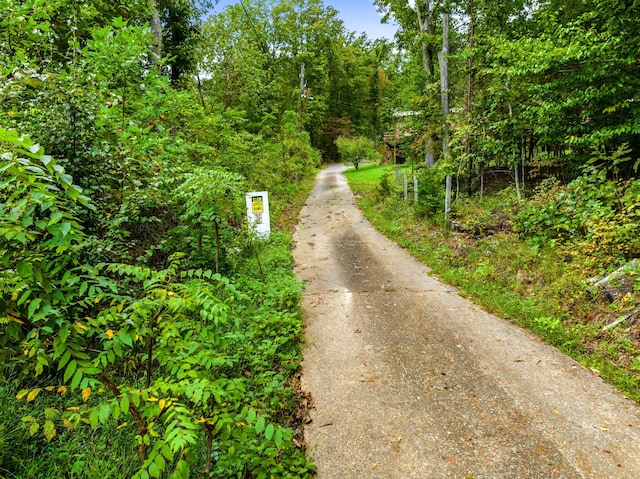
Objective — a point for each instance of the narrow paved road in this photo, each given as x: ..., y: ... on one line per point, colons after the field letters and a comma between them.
x: 410, y: 380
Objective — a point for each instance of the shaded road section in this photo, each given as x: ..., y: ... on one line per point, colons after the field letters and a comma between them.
x: 409, y: 380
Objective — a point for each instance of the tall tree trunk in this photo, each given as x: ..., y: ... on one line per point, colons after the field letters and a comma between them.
x: 425, y: 21
x: 443, y: 60
x: 156, y: 27
x: 469, y: 102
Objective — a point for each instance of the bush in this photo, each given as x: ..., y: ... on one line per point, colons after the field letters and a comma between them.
x: 431, y: 190
x: 594, y: 212
x: 357, y: 150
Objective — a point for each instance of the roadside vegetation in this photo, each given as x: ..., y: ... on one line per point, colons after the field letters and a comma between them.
x: 531, y: 262
x: 144, y: 330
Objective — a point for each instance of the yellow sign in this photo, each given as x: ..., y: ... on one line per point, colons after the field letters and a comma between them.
x: 256, y: 204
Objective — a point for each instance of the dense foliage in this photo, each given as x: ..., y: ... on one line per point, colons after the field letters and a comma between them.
x: 357, y: 150
x: 538, y: 85
x: 137, y: 310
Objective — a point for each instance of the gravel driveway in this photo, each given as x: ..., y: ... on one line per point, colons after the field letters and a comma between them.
x: 409, y: 380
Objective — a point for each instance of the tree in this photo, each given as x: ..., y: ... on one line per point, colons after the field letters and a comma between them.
x: 423, y: 13
x: 357, y: 150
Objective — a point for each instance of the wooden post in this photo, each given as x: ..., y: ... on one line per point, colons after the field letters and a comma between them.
x: 415, y: 189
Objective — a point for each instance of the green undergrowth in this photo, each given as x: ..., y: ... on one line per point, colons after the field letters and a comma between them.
x: 246, y: 360
x: 542, y: 286
x: 164, y: 370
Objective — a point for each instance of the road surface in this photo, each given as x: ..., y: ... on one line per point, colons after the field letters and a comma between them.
x: 409, y: 380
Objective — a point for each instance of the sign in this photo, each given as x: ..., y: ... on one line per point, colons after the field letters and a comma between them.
x: 258, y: 213
x: 257, y: 205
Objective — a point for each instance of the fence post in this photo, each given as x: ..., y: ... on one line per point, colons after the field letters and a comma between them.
x: 447, y: 200
x: 406, y: 186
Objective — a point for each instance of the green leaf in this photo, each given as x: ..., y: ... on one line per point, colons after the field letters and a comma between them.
x: 6, y: 182
x: 65, y: 228
x: 24, y: 269
x: 33, y: 307
x: 64, y: 332
x: 24, y: 296
x: 103, y: 413
x: 124, y: 404
x: 154, y: 471
x: 77, y: 377
x: 269, y: 430
x: 94, y: 417
x: 277, y: 438
x: 71, y: 369
x: 64, y: 359
x: 260, y: 424
x: 251, y: 416
x: 54, y: 218
x: 125, y: 337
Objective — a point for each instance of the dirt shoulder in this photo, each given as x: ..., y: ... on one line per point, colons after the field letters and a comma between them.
x: 411, y: 380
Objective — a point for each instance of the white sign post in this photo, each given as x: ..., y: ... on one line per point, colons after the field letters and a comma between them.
x: 258, y: 213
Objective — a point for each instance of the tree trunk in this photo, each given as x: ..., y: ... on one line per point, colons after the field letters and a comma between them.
x: 156, y: 27
x: 469, y: 102
x: 443, y: 61
x: 429, y: 155
x: 141, y: 422
x: 447, y: 200
x: 425, y: 21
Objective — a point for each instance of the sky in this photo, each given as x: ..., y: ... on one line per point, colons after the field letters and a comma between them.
x: 359, y: 16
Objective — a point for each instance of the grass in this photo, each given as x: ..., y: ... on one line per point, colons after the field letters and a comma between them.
x: 81, y: 453
x: 542, y: 289
x: 366, y: 177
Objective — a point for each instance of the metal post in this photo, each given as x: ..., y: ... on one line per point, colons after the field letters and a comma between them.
x: 447, y: 199
x: 406, y: 185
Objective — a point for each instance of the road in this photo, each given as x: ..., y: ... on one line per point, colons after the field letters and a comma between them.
x: 410, y: 380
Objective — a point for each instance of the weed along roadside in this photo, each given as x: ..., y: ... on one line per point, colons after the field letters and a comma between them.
x: 179, y: 368
x: 545, y: 285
